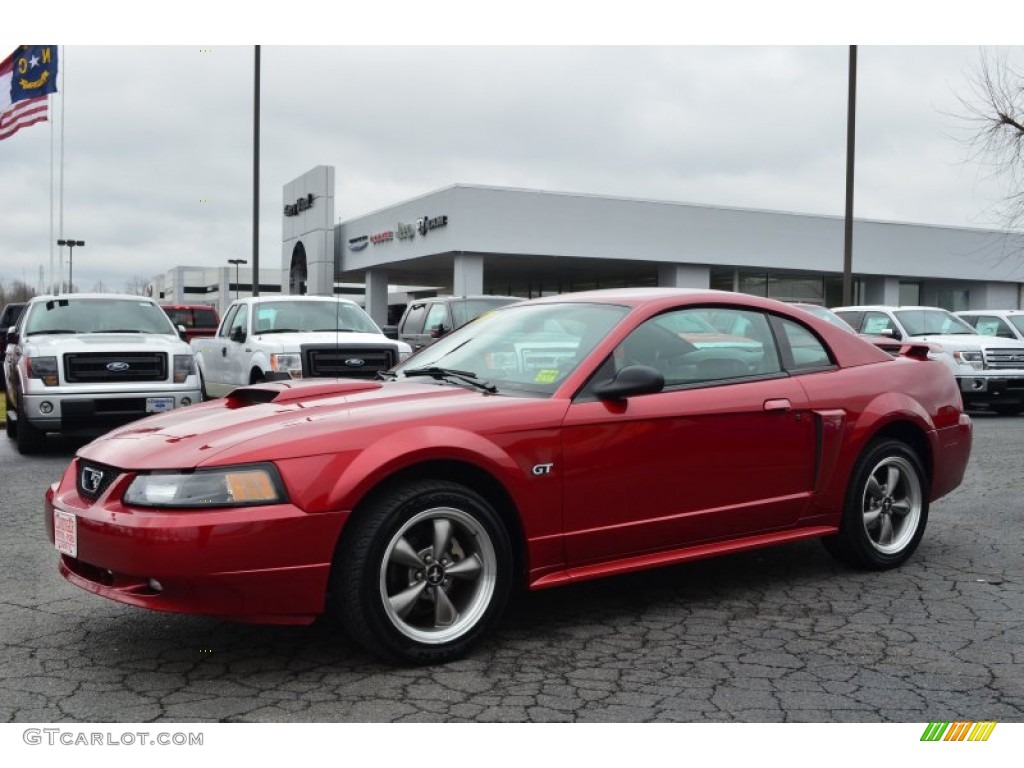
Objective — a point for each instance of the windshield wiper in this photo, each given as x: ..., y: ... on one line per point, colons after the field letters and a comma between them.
x: 333, y: 330
x: 121, y: 330
x: 278, y: 330
x: 445, y: 374
x: 47, y: 333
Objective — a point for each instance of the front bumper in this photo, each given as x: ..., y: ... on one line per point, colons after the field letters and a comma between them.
x: 95, y: 413
x: 267, y: 564
x: 981, y: 389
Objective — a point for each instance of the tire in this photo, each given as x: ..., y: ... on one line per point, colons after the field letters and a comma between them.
x: 1005, y: 409
x: 11, y: 424
x: 424, y: 572
x: 203, y: 396
x: 886, y: 508
x: 29, y: 438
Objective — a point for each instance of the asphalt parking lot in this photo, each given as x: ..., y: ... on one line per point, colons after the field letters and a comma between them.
x: 777, y: 635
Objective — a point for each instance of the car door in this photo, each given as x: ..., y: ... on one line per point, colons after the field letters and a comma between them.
x: 236, y: 352
x: 725, y: 450
x: 214, y: 355
x: 411, y: 331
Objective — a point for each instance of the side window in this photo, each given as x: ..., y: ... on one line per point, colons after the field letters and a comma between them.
x: 240, y: 319
x: 205, y: 318
x: 414, y: 319
x: 988, y: 325
x: 879, y: 324
x: 805, y: 349
x: 225, y: 327
x: 688, y: 349
x: 853, y: 317
x: 436, y: 316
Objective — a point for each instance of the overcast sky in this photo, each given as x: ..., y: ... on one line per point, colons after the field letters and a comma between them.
x: 158, y: 139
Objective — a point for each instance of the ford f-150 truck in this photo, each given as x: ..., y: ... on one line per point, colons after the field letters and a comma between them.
x: 281, y: 337
x: 990, y: 370
x: 86, y: 363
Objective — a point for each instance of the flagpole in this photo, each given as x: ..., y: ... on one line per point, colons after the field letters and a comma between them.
x: 63, y: 105
x: 49, y: 284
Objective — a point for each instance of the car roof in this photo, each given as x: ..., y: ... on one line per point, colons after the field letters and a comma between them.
x: 881, y: 307
x: 109, y: 296
x: 287, y: 297
x: 1002, y: 312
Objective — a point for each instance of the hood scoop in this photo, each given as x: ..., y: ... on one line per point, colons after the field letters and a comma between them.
x: 291, y: 391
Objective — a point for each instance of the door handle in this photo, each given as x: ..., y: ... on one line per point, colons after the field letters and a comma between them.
x: 223, y: 351
x: 778, y: 404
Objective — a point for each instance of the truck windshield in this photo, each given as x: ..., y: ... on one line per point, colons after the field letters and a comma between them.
x: 97, y: 315
x: 920, y: 322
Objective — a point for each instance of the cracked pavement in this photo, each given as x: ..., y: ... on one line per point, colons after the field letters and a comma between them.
x: 779, y: 635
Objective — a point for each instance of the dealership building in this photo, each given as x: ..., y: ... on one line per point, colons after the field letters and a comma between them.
x: 471, y: 239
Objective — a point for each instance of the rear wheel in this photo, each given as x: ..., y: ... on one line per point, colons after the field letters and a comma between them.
x: 886, y: 508
x: 424, y: 574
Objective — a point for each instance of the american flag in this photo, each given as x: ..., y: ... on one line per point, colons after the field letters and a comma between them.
x: 18, y: 114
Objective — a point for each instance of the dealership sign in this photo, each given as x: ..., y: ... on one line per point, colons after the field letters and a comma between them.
x: 405, y: 231
x: 425, y: 224
x: 300, y: 205
x: 382, y: 237
x: 358, y: 243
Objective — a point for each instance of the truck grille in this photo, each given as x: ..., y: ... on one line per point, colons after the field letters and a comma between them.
x: 349, y: 361
x: 113, y: 367
x: 1004, y: 358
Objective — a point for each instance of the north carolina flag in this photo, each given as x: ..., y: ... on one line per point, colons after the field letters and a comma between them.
x: 26, y: 77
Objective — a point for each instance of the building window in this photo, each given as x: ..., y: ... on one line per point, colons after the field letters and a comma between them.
x: 910, y: 294
x: 953, y: 300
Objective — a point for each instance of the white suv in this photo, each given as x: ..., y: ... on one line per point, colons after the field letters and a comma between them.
x: 86, y: 363
x: 293, y: 337
x: 990, y: 370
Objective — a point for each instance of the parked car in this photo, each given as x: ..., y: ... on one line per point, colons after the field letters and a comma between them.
x: 195, y: 321
x: 1002, y: 323
x: 887, y: 343
x: 990, y: 370
x: 553, y: 441
x: 81, y: 364
x: 8, y: 317
x: 427, y: 320
x: 293, y: 337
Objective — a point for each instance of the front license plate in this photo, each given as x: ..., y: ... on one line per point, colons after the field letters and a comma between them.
x: 159, y: 404
x: 65, y: 532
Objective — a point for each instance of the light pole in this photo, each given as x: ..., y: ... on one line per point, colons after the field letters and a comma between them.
x: 71, y: 253
x: 236, y: 262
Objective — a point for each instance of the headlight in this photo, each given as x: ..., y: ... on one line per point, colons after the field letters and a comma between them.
x: 184, y: 366
x: 403, y: 356
x: 289, y: 363
x: 44, y: 368
x: 975, y: 360
x: 224, y: 487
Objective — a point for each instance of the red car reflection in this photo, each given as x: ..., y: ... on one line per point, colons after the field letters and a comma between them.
x: 552, y: 441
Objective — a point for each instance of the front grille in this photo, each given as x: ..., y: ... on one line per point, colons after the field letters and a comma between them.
x: 1004, y: 358
x: 93, y: 479
x: 114, y: 367
x: 349, y: 361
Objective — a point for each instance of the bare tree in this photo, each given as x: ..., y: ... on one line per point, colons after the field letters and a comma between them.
x: 139, y: 286
x: 15, y: 291
x: 994, y: 114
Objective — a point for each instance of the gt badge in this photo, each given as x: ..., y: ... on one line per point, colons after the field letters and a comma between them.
x: 542, y: 469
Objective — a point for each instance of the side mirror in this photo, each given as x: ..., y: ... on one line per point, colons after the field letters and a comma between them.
x: 12, y: 335
x: 182, y: 333
x: 237, y: 334
x: 631, y: 381
x: 391, y: 331
x: 438, y: 331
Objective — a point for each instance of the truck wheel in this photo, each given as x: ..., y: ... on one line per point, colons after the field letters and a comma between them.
x: 29, y: 438
x: 886, y: 508
x: 12, y: 425
x: 424, y: 574
x: 1005, y: 409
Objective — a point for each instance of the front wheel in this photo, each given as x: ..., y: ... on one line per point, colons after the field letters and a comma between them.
x: 29, y: 438
x: 425, y: 572
x: 886, y: 508
x: 11, y: 424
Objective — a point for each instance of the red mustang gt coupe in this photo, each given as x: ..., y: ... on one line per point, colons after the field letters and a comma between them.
x: 548, y: 442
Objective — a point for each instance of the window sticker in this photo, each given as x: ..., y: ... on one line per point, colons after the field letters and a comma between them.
x: 546, y: 376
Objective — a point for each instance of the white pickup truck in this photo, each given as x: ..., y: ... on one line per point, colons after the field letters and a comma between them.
x: 990, y: 370
x: 280, y: 337
x: 86, y: 363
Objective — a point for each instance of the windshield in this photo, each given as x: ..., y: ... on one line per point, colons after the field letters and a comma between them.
x: 920, y: 322
x: 827, y: 314
x: 529, y: 348
x: 465, y: 310
x: 299, y: 316
x: 96, y: 315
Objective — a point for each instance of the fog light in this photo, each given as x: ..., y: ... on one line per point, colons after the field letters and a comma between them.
x: 978, y: 385
x: 46, y: 407
x: 155, y: 586
x: 186, y: 401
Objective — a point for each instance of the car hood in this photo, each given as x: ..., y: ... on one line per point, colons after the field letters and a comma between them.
x: 62, y: 343
x: 968, y: 341
x: 283, y: 420
x: 291, y: 342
